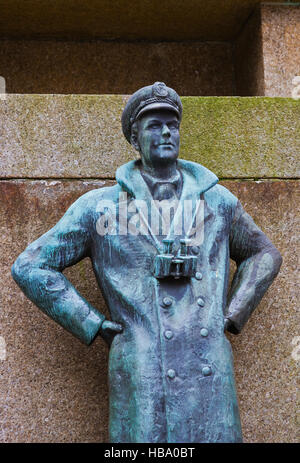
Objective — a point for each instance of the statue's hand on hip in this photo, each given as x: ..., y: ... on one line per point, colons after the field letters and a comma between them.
x: 109, y: 330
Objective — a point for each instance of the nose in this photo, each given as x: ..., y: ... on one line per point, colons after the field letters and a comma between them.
x: 165, y: 131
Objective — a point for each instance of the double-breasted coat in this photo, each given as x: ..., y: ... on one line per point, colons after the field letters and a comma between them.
x: 171, y: 375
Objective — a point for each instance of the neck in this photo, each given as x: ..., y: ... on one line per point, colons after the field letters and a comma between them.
x: 163, y: 172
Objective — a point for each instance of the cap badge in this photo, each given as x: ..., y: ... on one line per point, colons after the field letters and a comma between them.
x: 160, y: 89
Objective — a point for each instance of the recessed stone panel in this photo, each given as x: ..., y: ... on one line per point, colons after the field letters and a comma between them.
x: 249, y: 59
x: 136, y: 20
x: 99, y: 67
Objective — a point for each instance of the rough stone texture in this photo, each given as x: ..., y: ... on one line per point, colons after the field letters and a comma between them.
x: 53, y: 388
x: 267, y: 52
x: 248, y: 58
x: 267, y: 375
x: 149, y: 19
x: 281, y: 50
x: 193, y: 68
x: 57, y: 136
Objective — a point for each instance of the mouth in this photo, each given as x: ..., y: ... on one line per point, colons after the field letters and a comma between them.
x: 166, y: 144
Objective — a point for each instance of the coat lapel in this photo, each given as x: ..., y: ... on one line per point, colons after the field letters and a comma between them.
x: 196, y: 181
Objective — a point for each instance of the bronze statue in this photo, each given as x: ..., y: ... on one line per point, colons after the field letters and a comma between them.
x: 160, y: 241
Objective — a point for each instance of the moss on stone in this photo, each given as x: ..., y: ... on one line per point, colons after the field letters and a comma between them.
x: 242, y: 137
x: 68, y: 136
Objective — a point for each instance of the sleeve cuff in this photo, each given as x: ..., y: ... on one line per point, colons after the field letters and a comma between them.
x: 91, y: 326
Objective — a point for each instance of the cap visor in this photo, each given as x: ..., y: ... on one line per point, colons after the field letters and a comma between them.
x: 154, y: 106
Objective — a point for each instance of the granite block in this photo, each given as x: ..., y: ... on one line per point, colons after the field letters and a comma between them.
x: 267, y: 52
x: 118, y: 20
x: 101, y: 67
x: 281, y: 51
x: 54, y: 389
x: 79, y: 136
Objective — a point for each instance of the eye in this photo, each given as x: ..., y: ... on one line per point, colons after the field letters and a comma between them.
x: 154, y: 126
x: 173, y: 126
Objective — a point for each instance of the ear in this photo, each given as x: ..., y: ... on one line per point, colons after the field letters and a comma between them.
x: 134, y: 142
x: 134, y: 138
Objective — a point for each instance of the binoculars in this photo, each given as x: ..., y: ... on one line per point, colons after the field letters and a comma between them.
x: 169, y: 265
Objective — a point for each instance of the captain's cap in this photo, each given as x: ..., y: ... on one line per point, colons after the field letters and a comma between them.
x: 156, y: 96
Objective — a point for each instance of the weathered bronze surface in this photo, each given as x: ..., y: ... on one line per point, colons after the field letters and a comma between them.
x: 160, y: 243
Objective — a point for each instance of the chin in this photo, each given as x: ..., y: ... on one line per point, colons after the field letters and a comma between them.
x: 167, y: 155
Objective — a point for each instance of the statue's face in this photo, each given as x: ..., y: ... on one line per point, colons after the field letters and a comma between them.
x: 158, y: 137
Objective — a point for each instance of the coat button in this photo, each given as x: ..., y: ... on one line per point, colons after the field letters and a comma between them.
x: 168, y: 334
x: 171, y: 373
x: 204, y: 332
x: 167, y: 301
x: 195, y: 250
x: 206, y: 371
x: 200, y: 301
x: 198, y: 276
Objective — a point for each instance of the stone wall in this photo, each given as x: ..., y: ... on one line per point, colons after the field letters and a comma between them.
x: 87, y: 56
x: 267, y: 52
x: 55, y: 148
x: 281, y: 35
x: 160, y: 20
x: 99, y: 67
x: 244, y: 52
x: 80, y: 136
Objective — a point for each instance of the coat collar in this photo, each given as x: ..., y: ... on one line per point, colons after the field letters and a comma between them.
x: 196, y: 179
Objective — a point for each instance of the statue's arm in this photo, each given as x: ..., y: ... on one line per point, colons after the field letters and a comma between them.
x: 38, y: 272
x: 258, y: 262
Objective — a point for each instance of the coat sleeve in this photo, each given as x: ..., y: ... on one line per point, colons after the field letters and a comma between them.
x: 258, y: 262
x: 38, y: 272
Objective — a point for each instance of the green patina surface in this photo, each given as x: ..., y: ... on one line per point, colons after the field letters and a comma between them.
x: 79, y: 136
